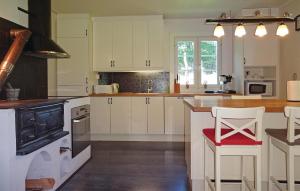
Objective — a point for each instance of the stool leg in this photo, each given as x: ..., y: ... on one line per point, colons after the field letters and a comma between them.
x: 217, y: 171
x: 258, y: 170
x: 290, y: 170
x: 205, y: 168
x: 270, y: 165
x: 243, y: 185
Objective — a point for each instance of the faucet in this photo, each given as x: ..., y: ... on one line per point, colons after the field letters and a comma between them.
x: 149, y: 86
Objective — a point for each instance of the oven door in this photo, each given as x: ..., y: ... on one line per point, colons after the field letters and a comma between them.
x: 80, y: 134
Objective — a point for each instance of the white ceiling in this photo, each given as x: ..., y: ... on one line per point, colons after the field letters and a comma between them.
x: 169, y: 8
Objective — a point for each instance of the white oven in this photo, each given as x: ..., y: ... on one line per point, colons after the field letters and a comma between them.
x: 259, y: 88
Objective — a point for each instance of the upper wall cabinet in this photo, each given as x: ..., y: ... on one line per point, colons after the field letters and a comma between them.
x: 147, y: 44
x: 127, y: 43
x: 112, y: 47
x: 261, y: 51
x: 72, y: 25
x: 9, y: 10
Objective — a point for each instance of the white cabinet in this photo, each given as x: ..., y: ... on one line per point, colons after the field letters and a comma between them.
x: 120, y: 115
x: 262, y: 51
x: 72, y: 25
x: 139, y: 115
x: 147, y: 115
x: 110, y: 115
x: 22, y: 17
x: 9, y: 10
x: 100, y: 115
x: 74, y: 70
x: 112, y: 47
x: 156, y: 115
x: 147, y: 44
x: 127, y: 43
x: 174, y: 115
x: 73, y: 73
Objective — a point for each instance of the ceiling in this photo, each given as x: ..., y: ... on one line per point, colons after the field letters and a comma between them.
x: 169, y: 8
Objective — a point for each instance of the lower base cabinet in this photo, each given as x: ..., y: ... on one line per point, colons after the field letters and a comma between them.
x: 127, y: 115
x: 110, y: 115
x: 174, y: 115
x: 100, y: 115
x: 156, y: 118
x: 148, y: 115
x: 120, y: 115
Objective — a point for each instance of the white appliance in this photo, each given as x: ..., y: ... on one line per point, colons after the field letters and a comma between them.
x: 98, y: 89
x: 259, y: 88
x: 293, y: 90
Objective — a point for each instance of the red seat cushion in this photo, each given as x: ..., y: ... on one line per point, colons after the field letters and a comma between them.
x: 236, y: 139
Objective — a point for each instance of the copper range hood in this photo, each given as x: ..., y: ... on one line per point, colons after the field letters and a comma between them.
x: 20, y: 37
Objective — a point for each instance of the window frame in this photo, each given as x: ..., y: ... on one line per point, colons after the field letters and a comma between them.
x: 197, y: 65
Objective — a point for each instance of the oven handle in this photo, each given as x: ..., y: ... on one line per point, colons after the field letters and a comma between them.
x: 81, y: 119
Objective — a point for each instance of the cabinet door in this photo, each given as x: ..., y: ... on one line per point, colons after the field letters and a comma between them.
x: 122, y: 45
x: 261, y: 51
x: 100, y: 115
x: 174, y: 115
x: 102, y: 45
x: 71, y: 26
x: 139, y: 115
x: 74, y: 70
x: 22, y: 17
x: 140, y: 44
x: 155, y: 33
x: 156, y: 115
x: 120, y: 115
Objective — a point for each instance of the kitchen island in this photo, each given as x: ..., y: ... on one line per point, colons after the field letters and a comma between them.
x: 197, y: 114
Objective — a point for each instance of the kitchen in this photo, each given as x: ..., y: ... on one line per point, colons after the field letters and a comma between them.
x: 135, y: 78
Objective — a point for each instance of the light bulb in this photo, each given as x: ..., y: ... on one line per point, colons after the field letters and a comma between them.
x: 219, y: 31
x: 261, y: 30
x: 240, y: 31
x: 282, y: 30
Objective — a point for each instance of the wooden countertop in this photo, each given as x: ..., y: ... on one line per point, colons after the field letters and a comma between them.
x: 28, y: 103
x: 131, y: 94
x: 271, y: 105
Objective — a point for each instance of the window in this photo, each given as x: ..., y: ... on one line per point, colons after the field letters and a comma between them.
x: 197, y: 61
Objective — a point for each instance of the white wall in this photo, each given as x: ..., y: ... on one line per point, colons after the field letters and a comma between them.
x: 195, y: 27
x: 52, y: 77
x: 289, y: 50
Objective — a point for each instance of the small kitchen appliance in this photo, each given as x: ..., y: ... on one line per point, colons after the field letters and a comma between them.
x: 98, y: 89
x: 293, y: 90
x: 115, y: 88
x: 259, y: 88
x: 225, y: 82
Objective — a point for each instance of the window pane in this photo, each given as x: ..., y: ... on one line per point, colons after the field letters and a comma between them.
x: 186, y: 61
x: 209, y: 70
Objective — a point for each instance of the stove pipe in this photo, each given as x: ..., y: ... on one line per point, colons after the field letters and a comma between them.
x: 20, y: 37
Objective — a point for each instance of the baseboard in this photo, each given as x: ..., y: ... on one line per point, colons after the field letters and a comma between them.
x: 154, y: 138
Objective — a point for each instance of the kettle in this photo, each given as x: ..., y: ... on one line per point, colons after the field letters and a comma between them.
x: 115, y: 88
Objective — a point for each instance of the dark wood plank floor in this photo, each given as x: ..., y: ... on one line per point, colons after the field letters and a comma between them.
x: 132, y: 166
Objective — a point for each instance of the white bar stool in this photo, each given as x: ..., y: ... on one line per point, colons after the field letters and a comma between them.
x: 229, y: 139
x: 288, y: 141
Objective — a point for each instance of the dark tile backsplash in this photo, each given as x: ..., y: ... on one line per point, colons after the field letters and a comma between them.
x: 137, y: 81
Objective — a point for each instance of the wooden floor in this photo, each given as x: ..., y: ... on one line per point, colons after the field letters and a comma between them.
x: 132, y: 166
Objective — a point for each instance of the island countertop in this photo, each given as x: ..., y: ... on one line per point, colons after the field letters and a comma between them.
x: 271, y: 105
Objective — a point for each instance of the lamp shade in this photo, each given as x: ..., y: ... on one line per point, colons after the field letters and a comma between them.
x: 219, y: 31
x: 240, y: 31
x: 261, y: 30
x: 282, y: 30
